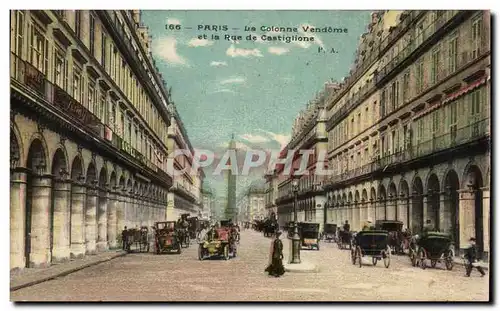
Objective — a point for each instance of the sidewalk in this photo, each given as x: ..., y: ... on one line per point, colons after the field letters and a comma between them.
x: 31, y: 276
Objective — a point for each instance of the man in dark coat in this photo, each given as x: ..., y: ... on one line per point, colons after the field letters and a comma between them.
x: 347, y: 226
x: 276, y: 267
x: 124, y: 238
x: 471, y: 257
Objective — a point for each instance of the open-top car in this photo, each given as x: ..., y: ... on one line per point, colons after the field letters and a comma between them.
x: 166, y: 237
x: 222, y: 245
x: 372, y: 243
x: 309, y: 235
x: 330, y: 232
x: 395, y: 229
x: 435, y: 247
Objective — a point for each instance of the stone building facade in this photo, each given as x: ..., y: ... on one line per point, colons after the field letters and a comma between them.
x: 410, y: 128
x: 253, y: 201
x: 88, y: 133
x: 184, y: 197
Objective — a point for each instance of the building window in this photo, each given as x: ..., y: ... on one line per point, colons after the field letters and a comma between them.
x: 92, y: 97
x: 92, y: 34
x: 419, y: 35
x: 103, y: 107
x: 419, y: 76
x: 406, y: 86
x: 19, y: 32
x: 475, y: 102
x: 122, y: 124
x: 435, y: 66
x: 78, y: 21
x: 476, y: 36
x: 382, y: 103
x: 103, y: 51
x: 435, y: 123
x: 393, y: 96
x: 39, y: 49
x: 60, y: 68
x: 77, y: 84
x: 112, y: 117
x: 452, y: 55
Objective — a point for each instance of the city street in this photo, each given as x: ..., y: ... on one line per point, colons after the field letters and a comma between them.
x: 151, y: 277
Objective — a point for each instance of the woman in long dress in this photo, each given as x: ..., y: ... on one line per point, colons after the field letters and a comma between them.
x: 276, y: 268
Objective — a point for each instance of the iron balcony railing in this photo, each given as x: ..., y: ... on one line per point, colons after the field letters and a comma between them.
x: 472, y: 132
x: 36, y: 81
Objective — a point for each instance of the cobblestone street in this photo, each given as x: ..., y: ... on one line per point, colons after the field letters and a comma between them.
x: 151, y: 277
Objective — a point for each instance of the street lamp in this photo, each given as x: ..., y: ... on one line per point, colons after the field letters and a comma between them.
x: 295, y: 238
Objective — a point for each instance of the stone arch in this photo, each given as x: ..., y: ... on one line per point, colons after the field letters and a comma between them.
x: 121, y: 182
x: 417, y: 209
x: 433, y: 202
x: 357, y: 197
x: 16, y: 147
x: 59, y: 164
x: 451, y: 219
x: 364, y: 195
x: 37, y: 155
x: 392, y: 200
x: 103, y: 177
x: 112, y: 180
x: 349, y: 197
x: 474, y: 182
x: 373, y: 194
x: 404, y: 211
x: 77, y: 172
x: 129, y: 185
x: 381, y: 208
x: 91, y: 173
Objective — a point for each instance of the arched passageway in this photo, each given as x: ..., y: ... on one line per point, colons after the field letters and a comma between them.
x: 433, y: 203
x: 60, y: 214
x: 451, y: 219
x: 417, y: 206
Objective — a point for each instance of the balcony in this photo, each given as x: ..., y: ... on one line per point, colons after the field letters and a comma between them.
x: 468, y: 134
x: 433, y: 31
x: 65, y: 105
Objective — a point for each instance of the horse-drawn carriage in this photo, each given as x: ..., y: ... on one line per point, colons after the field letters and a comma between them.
x: 166, y: 237
x: 194, y: 227
x: 395, y: 230
x: 309, y: 235
x: 330, y: 232
x: 139, y: 238
x: 374, y: 243
x: 224, y: 245
x: 435, y: 247
x: 182, y: 229
x: 270, y: 227
x: 345, y: 239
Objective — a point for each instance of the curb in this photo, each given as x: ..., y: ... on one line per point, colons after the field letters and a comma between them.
x: 303, y: 268
x: 64, y: 273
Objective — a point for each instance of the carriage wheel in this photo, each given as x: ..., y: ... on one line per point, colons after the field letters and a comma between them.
x: 386, y: 255
x: 200, y: 252
x: 448, y: 260
x: 359, y: 255
x: 226, y: 252
x: 433, y: 263
x: 353, y: 256
x: 179, y: 249
x: 421, y: 256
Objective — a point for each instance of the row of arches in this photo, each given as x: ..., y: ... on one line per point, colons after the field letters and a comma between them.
x: 418, y: 206
x: 62, y: 208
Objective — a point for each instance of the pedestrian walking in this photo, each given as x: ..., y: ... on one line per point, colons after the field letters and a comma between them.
x: 471, y: 259
x: 275, y: 267
x: 124, y: 238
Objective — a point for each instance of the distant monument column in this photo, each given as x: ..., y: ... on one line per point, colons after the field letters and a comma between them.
x: 230, y: 178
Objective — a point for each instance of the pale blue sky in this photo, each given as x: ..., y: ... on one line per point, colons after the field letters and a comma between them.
x: 251, y: 89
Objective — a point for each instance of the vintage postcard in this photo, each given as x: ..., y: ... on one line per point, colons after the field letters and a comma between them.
x: 184, y: 155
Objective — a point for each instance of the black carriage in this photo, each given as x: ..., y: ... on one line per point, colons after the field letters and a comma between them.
x: 182, y: 230
x: 194, y: 227
x: 435, y: 247
x: 270, y: 227
x: 395, y: 229
x: 330, y: 232
x: 309, y: 235
x: 166, y: 237
x: 374, y: 243
x: 345, y: 239
x: 138, y: 238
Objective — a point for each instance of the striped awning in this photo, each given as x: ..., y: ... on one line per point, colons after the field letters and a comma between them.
x: 465, y: 90
x: 428, y: 110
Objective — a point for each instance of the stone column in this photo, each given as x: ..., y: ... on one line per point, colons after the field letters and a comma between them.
x: 17, y: 218
x: 320, y: 212
x: 111, y: 228
x: 120, y: 216
x: 486, y: 220
x: 62, y: 220
x: 78, y: 203
x: 363, y: 213
x: 372, y: 211
x: 381, y: 209
x: 355, y: 216
x: 90, y: 219
x: 126, y: 210
x: 169, y: 212
x: 467, y: 217
x: 402, y: 211
x: 102, y: 221
x: 445, y: 224
x: 426, y: 204
x: 40, y: 221
x: 391, y: 208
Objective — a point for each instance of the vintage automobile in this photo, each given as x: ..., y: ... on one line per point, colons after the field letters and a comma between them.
x: 374, y: 243
x: 223, y: 245
x: 435, y: 247
x: 330, y: 232
x: 395, y: 229
x: 309, y: 235
x: 166, y: 237
x: 138, y: 238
